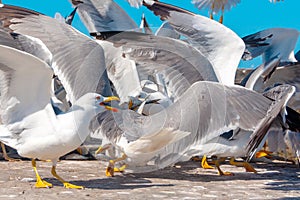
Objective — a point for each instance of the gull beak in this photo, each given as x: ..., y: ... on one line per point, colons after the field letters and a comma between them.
x: 107, y: 100
x: 111, y: 98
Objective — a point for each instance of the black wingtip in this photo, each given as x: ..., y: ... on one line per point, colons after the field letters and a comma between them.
x: 104, y: 35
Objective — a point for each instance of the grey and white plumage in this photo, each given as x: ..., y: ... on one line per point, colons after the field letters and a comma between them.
x: 288, y: 74
x: 282, y: 129
x: 103, y: 16
x: 180, y: 63
x: 206, y: 110
x: 215, y: 6
x: 271, y: 43
x: 222, y: 47
x: 126, y: 126
x: 30, y: 124
x: 30, y: 22
x: 166, y: 30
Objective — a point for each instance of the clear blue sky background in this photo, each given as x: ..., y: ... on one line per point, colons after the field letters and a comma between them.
x: 247, y: 17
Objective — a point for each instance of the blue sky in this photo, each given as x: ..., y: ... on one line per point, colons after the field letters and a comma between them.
x: 247, y: 17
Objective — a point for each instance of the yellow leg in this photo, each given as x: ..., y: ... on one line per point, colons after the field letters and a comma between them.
x: 5, y: 156
x: 205, y: 164
x: 246, y: 165
x: 121, y: 169
x: 220, y: 172
x: 102, y: 148
x: 39, y: 182
x: 66, y: 184
x: 263, y: 152
x: 99, y: 150
x: 222, y: 15
x: 111, y: 166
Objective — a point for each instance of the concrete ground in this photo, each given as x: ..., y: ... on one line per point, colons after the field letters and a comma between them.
x: 277, y: 180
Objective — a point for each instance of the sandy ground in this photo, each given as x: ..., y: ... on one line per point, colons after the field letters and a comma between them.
x: 184, y: 181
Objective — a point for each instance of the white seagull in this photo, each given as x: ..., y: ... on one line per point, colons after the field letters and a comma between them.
x: 215, y: 6
x: 29, y: 122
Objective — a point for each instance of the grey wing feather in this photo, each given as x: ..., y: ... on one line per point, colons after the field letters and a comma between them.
x: 74, y: 54
x: 181, y: 64
x: 103, y: 16
x: 222, y: 47
x: 166, y: 30
x: 207, y: 110
x: 26, y: 43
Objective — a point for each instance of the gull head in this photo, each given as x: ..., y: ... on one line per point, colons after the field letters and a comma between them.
x: 97, y: 101
x: 105, y: 101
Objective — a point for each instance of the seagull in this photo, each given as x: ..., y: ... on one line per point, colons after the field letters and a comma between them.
x: 215, y: 6
x: 193, y: 97
x: 34, y: 130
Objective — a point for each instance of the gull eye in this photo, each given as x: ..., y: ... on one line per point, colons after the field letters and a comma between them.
x: 98, y: 97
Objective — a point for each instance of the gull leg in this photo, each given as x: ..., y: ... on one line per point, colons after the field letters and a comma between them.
x: 222, y: 15
x: 263, y: 152
x: 220, y: 172
x: 121, y: 169
x: 246, y: 165
x: 66, y: 184
x: 39, y: 182
x: 205, y: 164
x: 5, y: 156
x: 212, y: 10
x: 103, y: 148
x: 111, y: 166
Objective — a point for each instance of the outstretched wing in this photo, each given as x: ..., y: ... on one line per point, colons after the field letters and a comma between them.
x: 222, y: 47
x: 103, y: 16
x: 25, y: 84
x: 78, y: 61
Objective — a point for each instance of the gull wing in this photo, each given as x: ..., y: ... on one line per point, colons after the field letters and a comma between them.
x: 103, y: 16
x: 270, y: 43
x: 222, y: 47
x: 166, y: 30
x: 121, y: 71
x: 26, y: 43
x: 24, y: 88
x: 181, y: 64
x: 78, y: 61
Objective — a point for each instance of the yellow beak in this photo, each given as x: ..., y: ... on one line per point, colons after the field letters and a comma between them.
x: 109, y: 99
